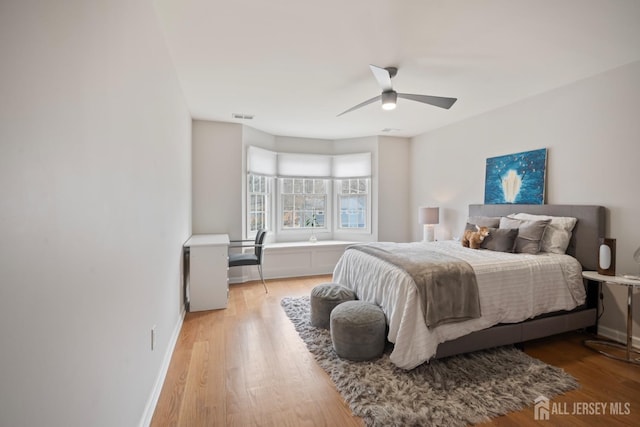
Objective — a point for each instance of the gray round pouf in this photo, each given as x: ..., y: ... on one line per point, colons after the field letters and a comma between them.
x: 325, y: 298
x: 358, y: 330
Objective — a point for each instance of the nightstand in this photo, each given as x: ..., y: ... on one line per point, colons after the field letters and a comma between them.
x: 631, y: 284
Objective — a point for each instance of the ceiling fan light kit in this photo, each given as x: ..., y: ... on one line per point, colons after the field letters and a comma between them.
x: 389, y: 100
x: 389, y: 97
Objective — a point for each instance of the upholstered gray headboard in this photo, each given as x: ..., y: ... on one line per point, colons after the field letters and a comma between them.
x: 586, y: 234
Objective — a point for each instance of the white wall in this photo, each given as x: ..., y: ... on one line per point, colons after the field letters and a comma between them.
x: 94, y: 208
x: 289, y: 144
x: 217, y: 155
x: 592, y: 133
x: 394, y: 217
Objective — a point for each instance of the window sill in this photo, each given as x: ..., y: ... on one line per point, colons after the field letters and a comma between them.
x: 308, y: 244
x: 297, y: 259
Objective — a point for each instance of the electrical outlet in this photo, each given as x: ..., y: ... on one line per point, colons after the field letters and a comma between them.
x: 153, y: 337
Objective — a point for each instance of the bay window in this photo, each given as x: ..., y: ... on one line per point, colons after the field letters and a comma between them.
x: 289, y: 193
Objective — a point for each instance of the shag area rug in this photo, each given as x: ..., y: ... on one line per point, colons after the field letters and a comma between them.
x: 454, y: 391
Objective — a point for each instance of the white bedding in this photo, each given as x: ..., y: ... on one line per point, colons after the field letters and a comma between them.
x: 512, y: 288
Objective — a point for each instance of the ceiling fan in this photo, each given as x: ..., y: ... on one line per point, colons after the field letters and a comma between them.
x: 389, y: 96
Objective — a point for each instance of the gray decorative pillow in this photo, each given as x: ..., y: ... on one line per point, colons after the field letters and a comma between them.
x: 484, y: 221
x: 558, y: 234
x: 530, y: 234
x: 500, y: 239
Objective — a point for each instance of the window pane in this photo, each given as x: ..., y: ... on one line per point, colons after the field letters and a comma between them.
x: 297, y: 186
x: 287, y: 185
x: 287, y: 202
x: 309, y: 204
x: 308, y: 186
x: 259, y: 221
x: 308, y: 201
x: 287, y: 219
x: 309, y: 220
x: 258, y: 205
x: 353, y: 208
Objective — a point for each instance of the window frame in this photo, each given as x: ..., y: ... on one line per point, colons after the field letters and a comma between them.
x: 298, y: 232
x: 268, y: 204
x: 368, y: 214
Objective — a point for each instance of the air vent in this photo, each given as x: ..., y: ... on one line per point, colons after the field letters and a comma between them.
x: 242, y: 116
x: 390, y: 130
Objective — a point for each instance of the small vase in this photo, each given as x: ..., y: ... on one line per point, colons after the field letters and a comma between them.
x: 313, y: 238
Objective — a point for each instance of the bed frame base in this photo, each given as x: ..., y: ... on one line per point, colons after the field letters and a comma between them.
x: 515, y: 333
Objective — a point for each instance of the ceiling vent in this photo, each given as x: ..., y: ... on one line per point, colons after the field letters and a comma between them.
x: 242, y: 116
x: 387, y: 130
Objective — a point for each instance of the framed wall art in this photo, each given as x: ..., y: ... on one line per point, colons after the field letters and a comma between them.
x: 516, y: 178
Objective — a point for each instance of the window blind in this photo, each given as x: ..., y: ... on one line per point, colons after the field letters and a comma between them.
x: 261, y: 161
x: 352, y: 166
x: 342, y: 166
x: 304, y: 165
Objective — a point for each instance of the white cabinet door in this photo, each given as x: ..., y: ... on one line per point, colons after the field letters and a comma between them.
x: 208, y: 278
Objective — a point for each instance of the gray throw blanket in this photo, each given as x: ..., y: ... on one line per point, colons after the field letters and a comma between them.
x: 447, y: 285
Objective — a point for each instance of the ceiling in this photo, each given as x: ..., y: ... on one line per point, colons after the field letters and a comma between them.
x: 296, y: 64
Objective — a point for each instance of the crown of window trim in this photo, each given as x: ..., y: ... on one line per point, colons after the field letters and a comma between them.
x: 320, y: 166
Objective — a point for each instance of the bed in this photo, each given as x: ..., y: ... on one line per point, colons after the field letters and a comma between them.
x: 550, y: 298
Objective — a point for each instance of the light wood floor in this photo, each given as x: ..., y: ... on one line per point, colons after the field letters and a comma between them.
x: 247, y: 366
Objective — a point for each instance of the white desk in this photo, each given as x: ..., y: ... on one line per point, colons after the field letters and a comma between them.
x: 208, y: 271
x: 631, y: 284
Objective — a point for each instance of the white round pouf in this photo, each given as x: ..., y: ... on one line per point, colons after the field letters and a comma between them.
x: 358, y: 330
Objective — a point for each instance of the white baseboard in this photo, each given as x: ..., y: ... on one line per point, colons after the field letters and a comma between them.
x: 619, y: 336
x: 150, y: 407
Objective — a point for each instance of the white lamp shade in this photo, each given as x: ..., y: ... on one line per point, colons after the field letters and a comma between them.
x: 429, y: 216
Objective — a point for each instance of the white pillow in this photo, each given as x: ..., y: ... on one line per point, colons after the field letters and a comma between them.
x: 558, y: 234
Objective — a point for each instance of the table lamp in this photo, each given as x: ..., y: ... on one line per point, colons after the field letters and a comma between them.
x: 428, y: 217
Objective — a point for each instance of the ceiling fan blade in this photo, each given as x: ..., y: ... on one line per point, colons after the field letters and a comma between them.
x: 383, y: 77
x: 438, y: 101
x: 362, y: 104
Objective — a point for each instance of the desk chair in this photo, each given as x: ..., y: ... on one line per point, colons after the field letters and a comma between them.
x: 255, y: 258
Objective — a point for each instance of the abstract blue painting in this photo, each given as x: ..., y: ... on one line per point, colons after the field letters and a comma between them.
x: 516, y: 178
